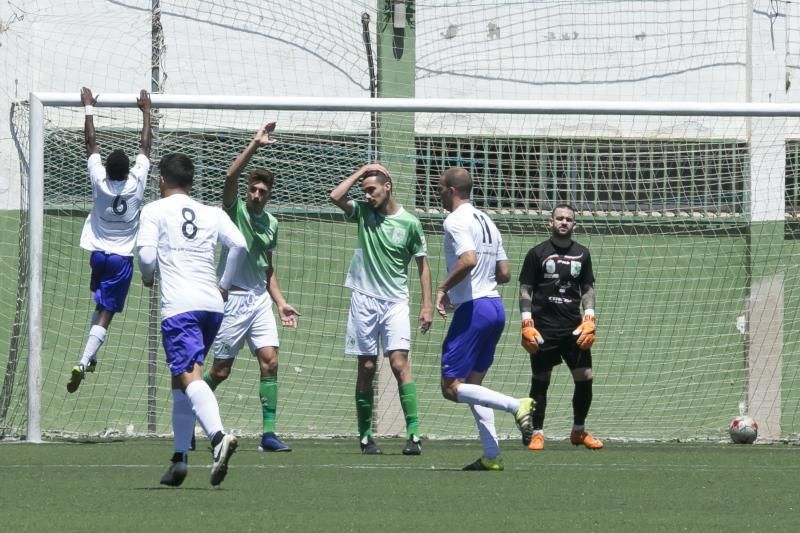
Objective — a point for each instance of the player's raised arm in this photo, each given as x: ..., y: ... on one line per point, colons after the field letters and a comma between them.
x: 143, y: 103
x: 262, y: 138
x: 339, y: 195
x: 89, y: 137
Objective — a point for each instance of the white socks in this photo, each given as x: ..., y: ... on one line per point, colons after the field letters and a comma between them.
x: 97, y: 335
x: 205, y: 406
x: 486, y: 430
x: 480, y: 395
x: 182, y: 420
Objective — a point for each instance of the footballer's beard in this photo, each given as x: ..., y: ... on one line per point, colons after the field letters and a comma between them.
x: 255, y: 206
x: 562, y: 233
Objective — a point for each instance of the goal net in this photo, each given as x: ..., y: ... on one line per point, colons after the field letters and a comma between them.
x: 690, y: 209
x: 692, y: 282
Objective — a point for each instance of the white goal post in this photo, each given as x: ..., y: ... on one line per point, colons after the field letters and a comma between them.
x: 765, y: 195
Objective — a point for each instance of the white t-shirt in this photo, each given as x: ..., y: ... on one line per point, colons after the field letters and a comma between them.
x: 185, y: 234
x: 112, y: 223
x: 468, y: 229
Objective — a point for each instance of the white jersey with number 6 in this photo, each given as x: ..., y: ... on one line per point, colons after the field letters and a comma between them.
x: 185, y: 234
x: 469, y: 229
x: 112, y: 222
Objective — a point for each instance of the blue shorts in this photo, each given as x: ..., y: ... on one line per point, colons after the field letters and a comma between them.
x: 111, y: 279
x: 187, y: 338
x: 472, y: 337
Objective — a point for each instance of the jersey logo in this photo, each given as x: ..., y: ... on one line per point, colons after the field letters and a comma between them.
x: 575, y: 269
x: 398, y: 235
x: 550, y: 266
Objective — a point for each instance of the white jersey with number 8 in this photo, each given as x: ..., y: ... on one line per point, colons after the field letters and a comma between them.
x: 185, y: 234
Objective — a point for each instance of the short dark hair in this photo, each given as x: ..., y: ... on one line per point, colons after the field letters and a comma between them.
x: 177, y: 170
x: 263, y: 175
x: 459, y: 179
x: 380, y: 177
x: 117, y: 165
x: 562, y: 206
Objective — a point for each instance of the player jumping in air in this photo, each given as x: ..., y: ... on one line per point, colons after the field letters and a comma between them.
x: 109, y: 232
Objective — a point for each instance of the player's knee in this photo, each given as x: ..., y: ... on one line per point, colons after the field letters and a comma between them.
x: 269, y: 368
x: 220, y: 373
x: 401, y: 371
x: 450, y: 391
x: 582, y: 374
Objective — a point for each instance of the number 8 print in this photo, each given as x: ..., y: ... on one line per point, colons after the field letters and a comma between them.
x: 189, y: 228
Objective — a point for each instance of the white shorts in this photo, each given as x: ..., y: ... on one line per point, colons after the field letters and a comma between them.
x: 371, y: 319
x: 248, y: 316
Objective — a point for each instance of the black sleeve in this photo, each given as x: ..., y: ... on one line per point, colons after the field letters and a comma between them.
x: 528, y: 273
x: 587, y: 274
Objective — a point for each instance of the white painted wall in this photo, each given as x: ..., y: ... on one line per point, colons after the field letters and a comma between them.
x: 679, y: 50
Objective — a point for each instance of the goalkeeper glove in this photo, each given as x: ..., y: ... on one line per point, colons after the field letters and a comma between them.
x: 531, y: 338
x: 585, y: 331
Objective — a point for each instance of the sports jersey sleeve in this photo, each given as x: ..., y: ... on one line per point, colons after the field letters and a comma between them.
x: 148, y: 228
x: 419, y: 246
x: 96, y: 169
x: 274, y: 244
x: 587, y: 274
x: 462, y: 236
x: 232, y: 238
x: 358, y: 211
x: 140, y: 168
x: 527, y: 276
x: 229, y: 234
x: 501, y: 251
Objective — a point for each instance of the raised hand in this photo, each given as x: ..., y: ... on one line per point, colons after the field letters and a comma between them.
x: 263, y: 137
x: 143, y: 101
x: 87, y: 98
x: 371, y: 169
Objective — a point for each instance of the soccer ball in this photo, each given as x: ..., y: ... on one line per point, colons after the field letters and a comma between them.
x: 743, y: 430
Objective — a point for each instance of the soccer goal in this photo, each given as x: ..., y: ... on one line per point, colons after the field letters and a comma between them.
x: 690, y: 211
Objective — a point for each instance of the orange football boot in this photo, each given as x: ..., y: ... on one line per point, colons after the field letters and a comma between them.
x: 583, y: 437
x: 537, y: 442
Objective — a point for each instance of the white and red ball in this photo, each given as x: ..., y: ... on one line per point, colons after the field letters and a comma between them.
x: 743, y: 430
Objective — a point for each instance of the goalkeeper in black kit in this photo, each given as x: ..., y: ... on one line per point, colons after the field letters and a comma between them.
x: 556, y: 281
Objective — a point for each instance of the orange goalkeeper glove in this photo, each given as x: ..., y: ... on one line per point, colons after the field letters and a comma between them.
x: 585, y: 332
x: 531, y: 338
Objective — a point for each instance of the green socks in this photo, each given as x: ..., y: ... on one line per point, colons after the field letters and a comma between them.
x: 364, y: 403
x: 408, y: 400
x: 207, y: 379
x: 268, y: 392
